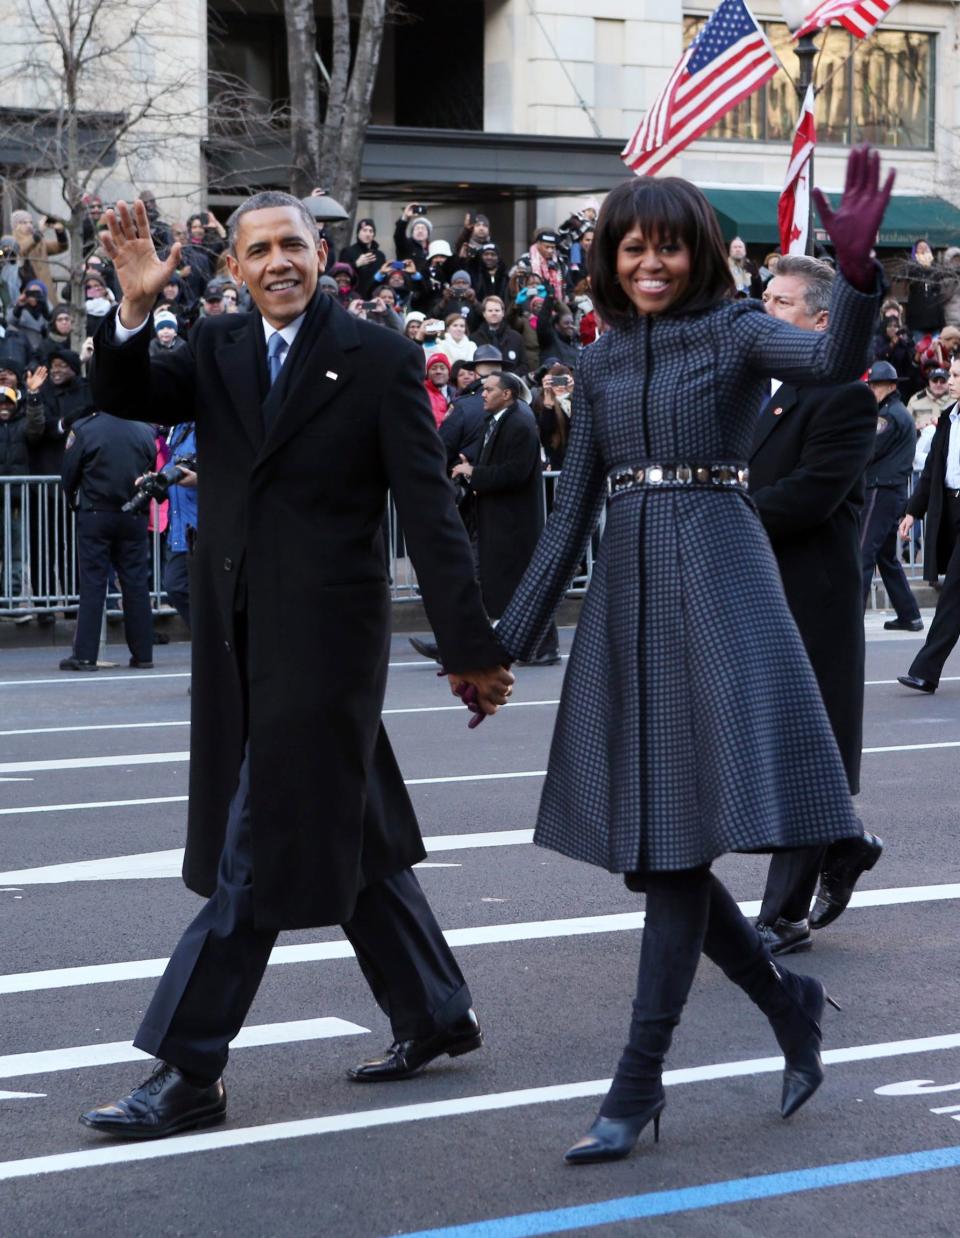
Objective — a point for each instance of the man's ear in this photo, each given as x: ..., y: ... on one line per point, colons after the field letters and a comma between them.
x: 822, y: 321
x: 233, y: 266
x: 322, y: 251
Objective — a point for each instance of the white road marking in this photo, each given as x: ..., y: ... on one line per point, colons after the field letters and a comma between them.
x: 482, y: 935
x: 16, y: 780
x: 874, y: 683
x: 179, y: 758
x: 274, y: 1132
x: 153, y: 799
x: 64, y: 680
x: 148, y: 865
x: 47, y: 1061
x: 146, y: 726
x: 22, y: 1095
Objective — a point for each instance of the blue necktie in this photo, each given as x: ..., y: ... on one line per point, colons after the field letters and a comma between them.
x: 276, y: 350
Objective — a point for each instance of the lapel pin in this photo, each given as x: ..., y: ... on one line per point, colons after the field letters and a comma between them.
x: 777, y: 412
x: 330, y: 374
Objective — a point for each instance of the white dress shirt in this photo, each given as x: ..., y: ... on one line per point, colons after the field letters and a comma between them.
x: 952, y: 477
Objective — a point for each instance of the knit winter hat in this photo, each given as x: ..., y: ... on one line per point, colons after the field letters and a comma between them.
x: 165, y: 319
x: 420, y: 219
x: 460, y: 277
x: 71, y: 358
x: 439, y: 249
x: 434, y: 357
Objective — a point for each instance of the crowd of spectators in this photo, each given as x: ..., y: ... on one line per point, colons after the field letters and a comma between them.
x: 473, y: 306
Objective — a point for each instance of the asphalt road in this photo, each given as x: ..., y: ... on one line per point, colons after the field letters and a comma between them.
x: 92, y: 784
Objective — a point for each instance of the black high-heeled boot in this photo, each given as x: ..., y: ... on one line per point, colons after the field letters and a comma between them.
x: 676, y: 916
x: 793, y: 1003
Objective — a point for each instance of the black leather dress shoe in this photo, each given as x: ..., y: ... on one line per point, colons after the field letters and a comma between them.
x: 914, y: 681
x: 904, y: 625
x: 786, y: 936
x: 839, y: 878
x: 405, y: 1058
x: 140, y: 666
x: 426, y: 648
x: 77, y: 664
x: 162, y: 1105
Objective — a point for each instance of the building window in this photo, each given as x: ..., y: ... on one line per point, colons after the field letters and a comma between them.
x: 882, y: 93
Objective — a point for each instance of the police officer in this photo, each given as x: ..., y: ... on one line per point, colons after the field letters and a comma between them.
x: 102, y: 460
x: 888, y: 472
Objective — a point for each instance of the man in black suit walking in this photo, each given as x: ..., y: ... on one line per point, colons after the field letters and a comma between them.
x: 937, y: 496
x: 506, y: 491
x: 806, y: 477
x: 298, y: 813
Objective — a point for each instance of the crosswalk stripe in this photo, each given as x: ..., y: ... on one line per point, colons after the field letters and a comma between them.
x: 274, y: 1132
x: 148, y: 865
x: 48, y: 1061
x: 486, y: 934
x: 181, y: 757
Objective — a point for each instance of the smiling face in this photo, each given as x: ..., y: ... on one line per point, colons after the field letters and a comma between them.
x: 785, y: 298
x: 654, y: 274
x: 60, y: 372
x: 438, y: 374
x: 279, y: 261
x: 493, y: 311
x: 457, y: 329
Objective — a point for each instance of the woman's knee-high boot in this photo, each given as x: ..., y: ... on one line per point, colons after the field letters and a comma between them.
x: 793, y: 1004
x: 676, y: 917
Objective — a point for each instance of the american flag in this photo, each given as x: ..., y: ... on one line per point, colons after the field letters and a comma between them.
x: 728, y: 60
x: 859, y: 18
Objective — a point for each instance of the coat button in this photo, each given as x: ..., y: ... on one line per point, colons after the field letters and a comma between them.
x: 226, y: 645
x: 228, y: 565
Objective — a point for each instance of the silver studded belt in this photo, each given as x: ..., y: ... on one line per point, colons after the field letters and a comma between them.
x: 728, y: 476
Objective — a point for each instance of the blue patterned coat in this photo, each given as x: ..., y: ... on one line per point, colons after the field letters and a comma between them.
x: 690, y: 722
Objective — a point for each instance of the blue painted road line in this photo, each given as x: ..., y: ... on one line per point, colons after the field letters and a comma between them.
x: 688, y: 1199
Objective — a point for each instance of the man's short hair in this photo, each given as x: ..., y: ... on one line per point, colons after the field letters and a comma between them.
x: 499, y: 301
x: 509, y: 382
x: 263, y: 201
x: 817, y: 279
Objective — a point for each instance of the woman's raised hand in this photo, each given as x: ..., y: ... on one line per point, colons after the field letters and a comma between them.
x: 141, y: 273
x: 853, y: 227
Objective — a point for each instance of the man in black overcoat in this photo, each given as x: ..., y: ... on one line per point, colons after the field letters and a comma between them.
x: 298, y: 813
x: 937, y: 496
x: 806, y: 477
x: 506, y: 488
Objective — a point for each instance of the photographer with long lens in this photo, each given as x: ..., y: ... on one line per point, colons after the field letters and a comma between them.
x: 176, y: 482
x: 102, y: 461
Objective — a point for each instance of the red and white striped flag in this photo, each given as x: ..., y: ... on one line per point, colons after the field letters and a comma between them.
x: 860, y: 17
x: 793, y: 209
x: 728, y: 60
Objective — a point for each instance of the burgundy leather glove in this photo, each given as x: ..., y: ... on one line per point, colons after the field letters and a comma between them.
x: 468, y: 694
x: 854, y: 225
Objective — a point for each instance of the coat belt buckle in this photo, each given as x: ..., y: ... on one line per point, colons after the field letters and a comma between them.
x: 684, y: 474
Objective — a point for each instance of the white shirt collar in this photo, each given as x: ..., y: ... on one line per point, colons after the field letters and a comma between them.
x: 289, y: 332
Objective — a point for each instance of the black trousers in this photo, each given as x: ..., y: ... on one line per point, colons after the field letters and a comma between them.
x: 878, y: 547
x: 176, y: 583
x: 214, y: 973
x: 945, y: 628
x: 119, y: 538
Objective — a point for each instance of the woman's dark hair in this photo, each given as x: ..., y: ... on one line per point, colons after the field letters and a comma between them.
x: 672, y: 210
x: 456, y: 369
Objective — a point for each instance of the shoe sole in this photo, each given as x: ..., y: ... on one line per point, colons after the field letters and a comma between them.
x: 176, y: 1128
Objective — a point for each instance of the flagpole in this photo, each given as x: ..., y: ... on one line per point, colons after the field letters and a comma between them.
x: 806, y: 51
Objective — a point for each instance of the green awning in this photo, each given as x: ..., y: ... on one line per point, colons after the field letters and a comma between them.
x: 752, y: 214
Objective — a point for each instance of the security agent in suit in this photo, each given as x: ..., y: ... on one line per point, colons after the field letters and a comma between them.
x: 304, y: 416
x: 102, y: 459
x: 888, y: 474
x: 806, y: 477
x: 506, y: 493
x: 937, y: 496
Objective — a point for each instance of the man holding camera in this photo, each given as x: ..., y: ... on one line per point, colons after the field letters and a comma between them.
x: 102, y: 460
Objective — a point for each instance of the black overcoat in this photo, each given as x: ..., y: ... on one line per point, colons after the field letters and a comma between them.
x: 927, y: 500
x: 507, y: 485
x: 810, y: 449
x: 290, y: 563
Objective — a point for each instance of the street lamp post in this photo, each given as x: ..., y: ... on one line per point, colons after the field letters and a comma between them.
x: 805, y: 50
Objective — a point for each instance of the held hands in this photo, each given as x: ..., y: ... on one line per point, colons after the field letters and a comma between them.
x: 854, y: 225
x: 463, y: 469
x: 130, y: 247
x: 483, y: 692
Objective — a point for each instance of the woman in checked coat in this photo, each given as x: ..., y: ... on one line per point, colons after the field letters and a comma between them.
x: 691, y: 723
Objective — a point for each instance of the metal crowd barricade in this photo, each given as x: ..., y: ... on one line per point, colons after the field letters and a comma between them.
x: 403, y: 579
x: 38, y: 560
